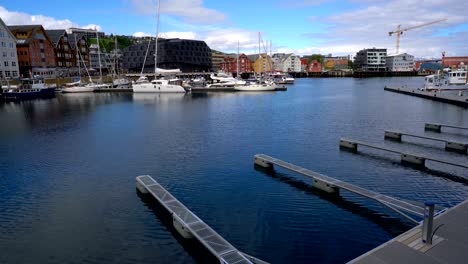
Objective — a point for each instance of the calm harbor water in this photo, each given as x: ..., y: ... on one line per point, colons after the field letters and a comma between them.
x: 68, y: 168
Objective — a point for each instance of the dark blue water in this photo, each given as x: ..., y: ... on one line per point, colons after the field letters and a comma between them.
x: 68, y: 168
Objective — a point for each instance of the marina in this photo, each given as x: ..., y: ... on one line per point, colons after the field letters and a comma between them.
x: 67, y: 164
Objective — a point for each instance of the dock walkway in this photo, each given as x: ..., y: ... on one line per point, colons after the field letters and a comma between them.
x: 449, y: 245
x: 433, y: 95
x: 330, y: 184
x: 414, y: 159
x: 461, y: 147
x: 188, y: 224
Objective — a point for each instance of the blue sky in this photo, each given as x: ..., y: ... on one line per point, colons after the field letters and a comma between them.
x: 339, y: 27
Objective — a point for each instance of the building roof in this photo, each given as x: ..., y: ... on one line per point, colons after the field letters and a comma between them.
x: 73, y: 37
x: 6, y: 28
x: 55, y: 35
x: 30, y: 29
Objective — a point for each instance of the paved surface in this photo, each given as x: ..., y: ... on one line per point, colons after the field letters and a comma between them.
x: 450, y: 242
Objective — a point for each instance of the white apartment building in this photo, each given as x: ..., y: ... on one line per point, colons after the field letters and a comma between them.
x: 403, y: 62
x: 286, y: 62
x: 8, y: 58
x: 371, y: 59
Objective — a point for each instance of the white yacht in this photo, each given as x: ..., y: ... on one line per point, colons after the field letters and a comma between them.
x: 257, y: 86
x: 143, y: 85
x: 447, y: 80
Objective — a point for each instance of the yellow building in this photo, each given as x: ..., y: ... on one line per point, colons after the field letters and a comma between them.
x: 261, y: 63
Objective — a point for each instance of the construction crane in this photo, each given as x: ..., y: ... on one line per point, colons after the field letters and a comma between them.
x: 399, y: 31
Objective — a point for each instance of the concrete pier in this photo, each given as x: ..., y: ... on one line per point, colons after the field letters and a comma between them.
x: 406, y: 158
x: 449, y: 145
x: 188, y: 225
x: 449, y: 242
x: 433, y: 95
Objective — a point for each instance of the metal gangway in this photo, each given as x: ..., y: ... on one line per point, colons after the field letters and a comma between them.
x: 188, y: 224
x: 333, y: 185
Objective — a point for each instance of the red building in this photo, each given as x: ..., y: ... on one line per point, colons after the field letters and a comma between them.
x: 230, y: 64
x: 454, y: 62
x: 35, y: 50
x: 315, y: 66
x: 304, y: 64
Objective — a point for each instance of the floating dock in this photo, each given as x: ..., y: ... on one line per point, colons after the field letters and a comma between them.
x: 433, y: 95
x: 449, y: 242
x: 449, y: 145
x: 438, y: 127
x: 413, y: 159
x: 188, y: 225
x: 231, y: 89
x: 332, y: 185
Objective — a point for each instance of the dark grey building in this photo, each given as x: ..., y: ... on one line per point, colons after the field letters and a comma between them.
x: 371, y: 59
x: 186, y: 55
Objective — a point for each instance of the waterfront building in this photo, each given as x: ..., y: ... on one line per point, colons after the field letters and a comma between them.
x: 403, y: 62
x: 88, y: 33
x: 315, y: 66
x: 95, y: 55
x: 80, y: 48
x: 217, y: 59
x: 8, y: 56
x: 261, y: 63
x: 65, y: 57
x: 455, y: 62
x: 184, y: 54
x: 286, y: 62
x: 35, y: 50
x: 336, y: 63
x: 230, y: 63
x: 371, y: 59
x: 304, y: 64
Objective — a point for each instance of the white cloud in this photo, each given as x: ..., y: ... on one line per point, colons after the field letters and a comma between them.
x: 20, y: 18
x: 191, y: 11
x: 142, y: 34
x: 368, y: 27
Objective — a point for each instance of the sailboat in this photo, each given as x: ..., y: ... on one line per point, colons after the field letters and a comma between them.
x: 260, y: 84
x: 143, y: 85
x: 90, y: 87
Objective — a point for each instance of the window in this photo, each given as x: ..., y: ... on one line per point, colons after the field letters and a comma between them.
x: 15, y: 73
x: 6, y: 63
x: 7, y: 73
x: 13, y: 54
x: 11, y: 45
x: 4, y: 54
x: 13, y: 63
x: 3, y: 44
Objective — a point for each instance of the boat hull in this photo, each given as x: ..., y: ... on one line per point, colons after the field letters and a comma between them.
x: 34, y: 93
x: 78, y: 90
x: 255, y: 88
x: 157, y: 88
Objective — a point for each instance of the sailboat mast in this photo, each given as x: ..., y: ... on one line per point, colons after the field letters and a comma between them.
x: 156, y: 44
x: 99, y: 55
x: 78, y: 56
x: 259, y: 56
x: 237, y: 59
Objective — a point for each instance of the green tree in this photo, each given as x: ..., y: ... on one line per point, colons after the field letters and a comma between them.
x: 317, y: 57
